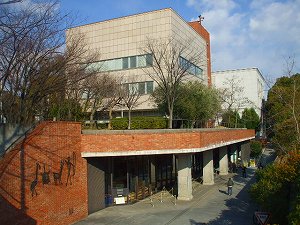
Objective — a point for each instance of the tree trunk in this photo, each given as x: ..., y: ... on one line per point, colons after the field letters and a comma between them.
x: 92, y: 117
x: 110, y: 118
x: 129, y: 119
x: 170, y: 119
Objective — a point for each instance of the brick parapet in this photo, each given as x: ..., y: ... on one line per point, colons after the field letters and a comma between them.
x: 160, y: 140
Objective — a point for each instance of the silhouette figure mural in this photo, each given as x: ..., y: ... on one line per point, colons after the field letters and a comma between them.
x: 57, y: 176
x: 35, y: 181
x: 70, y: 162
x: 71, y: 167
x: 45, y: 176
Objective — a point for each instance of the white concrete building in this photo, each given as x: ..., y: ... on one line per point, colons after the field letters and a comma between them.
x: 249, y: 80
x: 120, y: 41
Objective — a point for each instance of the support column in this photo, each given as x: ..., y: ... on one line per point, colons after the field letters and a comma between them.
x: 245, y: 152
x: 152, y: 173
x: 185, y: 177
x: 208, y: 168
x: 223, y: 163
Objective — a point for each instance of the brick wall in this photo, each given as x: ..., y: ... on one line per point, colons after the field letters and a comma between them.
x: 204, y: 34
x: 54, y: 142
x: 48, y: 145
x: 135, y: 141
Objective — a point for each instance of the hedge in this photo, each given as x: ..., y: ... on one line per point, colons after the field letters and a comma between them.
x: 139, y: 123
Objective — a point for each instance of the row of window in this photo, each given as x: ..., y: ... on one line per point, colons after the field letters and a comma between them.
x: 131, y: 62
x: 191, y: 68
x: 142, y: 88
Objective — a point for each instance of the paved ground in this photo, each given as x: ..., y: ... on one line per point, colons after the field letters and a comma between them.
x: 211, y: 205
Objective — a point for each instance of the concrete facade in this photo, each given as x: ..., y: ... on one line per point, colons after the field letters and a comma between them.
x: 124, y: 37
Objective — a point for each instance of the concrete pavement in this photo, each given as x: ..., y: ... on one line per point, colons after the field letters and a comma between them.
x: 210, y: 205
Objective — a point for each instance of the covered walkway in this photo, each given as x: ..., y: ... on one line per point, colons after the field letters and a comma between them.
x: 210, y: 205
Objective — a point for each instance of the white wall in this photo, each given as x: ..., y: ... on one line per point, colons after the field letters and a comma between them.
x: 250, y: 80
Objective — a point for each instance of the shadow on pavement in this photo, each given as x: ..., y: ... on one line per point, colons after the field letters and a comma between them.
x: 240, y: 208
x: 193, y: 222
x: 224, y: 192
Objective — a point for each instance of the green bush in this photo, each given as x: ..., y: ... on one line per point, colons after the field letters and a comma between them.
x: 256, y: 148
x: 119, y: 123
x: 140, y: 123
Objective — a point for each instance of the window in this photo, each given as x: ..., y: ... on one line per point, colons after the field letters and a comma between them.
x: 140, y: 87
x: 190, y: 67
x: 133, y: 88
x: 142, y: 61
x: 133, y: 62
x: 149, y: 87
x: 125, y: 63
x: 149, y: 60
x: 122, y: 63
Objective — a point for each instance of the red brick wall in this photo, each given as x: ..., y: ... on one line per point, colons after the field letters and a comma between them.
x: 155, y: 141
x: 204, y: 33
x: 49, y: 143
x: 52, y: 142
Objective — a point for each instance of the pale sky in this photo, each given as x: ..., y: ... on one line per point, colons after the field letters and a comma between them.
x: 244, y: 33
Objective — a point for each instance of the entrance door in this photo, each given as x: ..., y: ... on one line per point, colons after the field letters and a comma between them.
x: 96, y: 184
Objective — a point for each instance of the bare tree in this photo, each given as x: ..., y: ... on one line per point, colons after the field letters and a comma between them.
x: 130, y: 98
x: 232, y: 96
x: 10, y: 2
x: 114, y: 98
x: 34, y: 61
x: 172, y: 63
x: 96, y: 91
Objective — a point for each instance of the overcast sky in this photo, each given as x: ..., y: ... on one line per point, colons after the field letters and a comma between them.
x: 244, y: 33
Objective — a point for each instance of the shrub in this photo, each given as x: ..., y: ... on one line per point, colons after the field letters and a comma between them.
x: 256, y: 148
x: 140, y: 123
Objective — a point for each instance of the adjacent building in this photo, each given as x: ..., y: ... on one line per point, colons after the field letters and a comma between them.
x: 120, y: 43
x: 246, y: 85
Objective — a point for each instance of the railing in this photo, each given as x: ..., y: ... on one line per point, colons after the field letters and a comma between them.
x: 177, y: 124
x: 164, y: 194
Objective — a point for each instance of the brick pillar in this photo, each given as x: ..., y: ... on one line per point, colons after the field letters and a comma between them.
x: 185, y: 177
x: 208, y: 168
x: 223, y: 160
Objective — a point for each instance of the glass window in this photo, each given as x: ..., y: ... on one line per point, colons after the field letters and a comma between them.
x: 141, y: 61
x: 133, y: 88
x: 198, y: 71
x: 125, y: 63
x: 149, y: 60
x: 149, y: 87
x: 142, y: 88
x: 121, y: 63
x: 117, y: 64
x: 132, y: 61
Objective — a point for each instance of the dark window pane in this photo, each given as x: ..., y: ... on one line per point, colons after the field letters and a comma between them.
x: 125, y: 63
x: 149, y: 87
x: 142, y: 88
x: 132, y: 61
x: 149, y: 60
